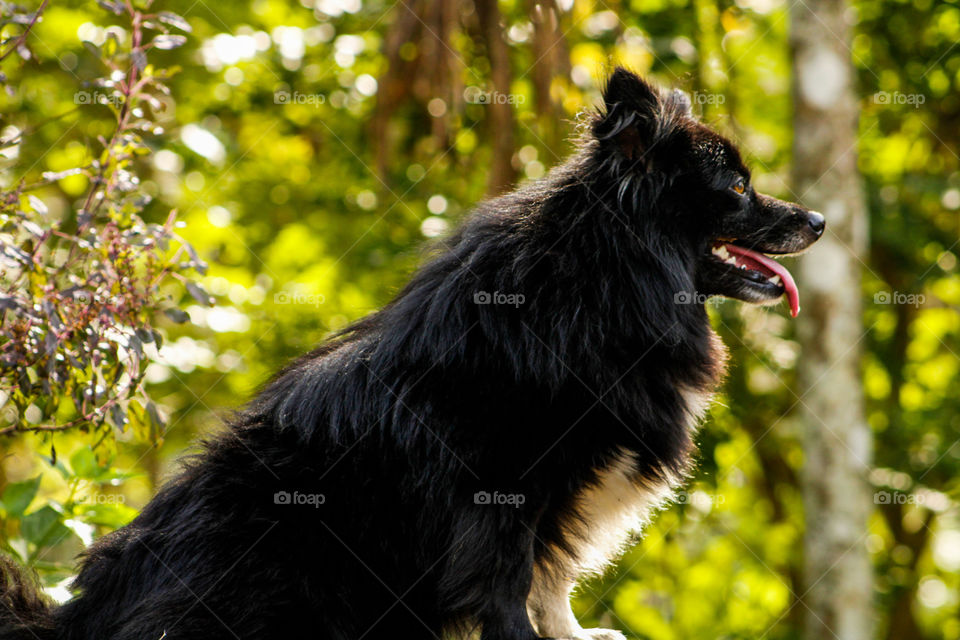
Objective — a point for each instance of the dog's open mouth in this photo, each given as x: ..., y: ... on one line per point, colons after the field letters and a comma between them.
x: 766, y: 277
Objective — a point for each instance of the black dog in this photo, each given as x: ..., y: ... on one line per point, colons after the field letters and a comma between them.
x: 460, y: 458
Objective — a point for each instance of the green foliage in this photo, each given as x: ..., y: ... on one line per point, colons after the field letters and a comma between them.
x: 30, y: 533
x: 80, y: 289
x: 308, y: 216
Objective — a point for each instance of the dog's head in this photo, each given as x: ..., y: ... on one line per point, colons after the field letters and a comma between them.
x: 691, y: 182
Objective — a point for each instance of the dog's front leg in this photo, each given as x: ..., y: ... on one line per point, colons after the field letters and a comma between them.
x: 504, y: 614
x: 507, y: 619
x: 487, y: 576
x: 549, y: 607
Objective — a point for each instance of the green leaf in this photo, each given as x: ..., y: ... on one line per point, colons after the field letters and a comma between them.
x: 111, y: 45
x: 114, y: 515
x: 18, y: 496
x: 84, y: 463
x: 44, y: 526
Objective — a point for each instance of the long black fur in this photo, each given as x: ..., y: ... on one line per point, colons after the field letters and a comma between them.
x: 400, y: 421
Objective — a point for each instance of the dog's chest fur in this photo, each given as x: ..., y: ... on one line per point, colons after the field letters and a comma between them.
x: 609, y: 511
x: 617, y: 504
x: 598, y: 527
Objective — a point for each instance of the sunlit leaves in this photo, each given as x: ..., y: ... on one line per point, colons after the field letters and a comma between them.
x: 80, y: 290
x: 17, y: 496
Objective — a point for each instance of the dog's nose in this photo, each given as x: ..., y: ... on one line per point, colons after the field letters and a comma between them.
x: 817, y: 223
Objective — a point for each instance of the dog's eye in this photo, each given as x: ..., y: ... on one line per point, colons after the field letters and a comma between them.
x: 739, y: 186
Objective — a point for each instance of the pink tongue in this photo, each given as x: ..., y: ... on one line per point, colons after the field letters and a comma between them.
x: 789, y: 285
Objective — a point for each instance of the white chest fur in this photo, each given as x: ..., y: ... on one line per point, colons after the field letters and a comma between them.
x: 609, y: 511
x: 615, y: 506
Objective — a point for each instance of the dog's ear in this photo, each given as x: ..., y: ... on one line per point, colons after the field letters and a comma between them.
x: 630, y: 90
x: 630, y: 114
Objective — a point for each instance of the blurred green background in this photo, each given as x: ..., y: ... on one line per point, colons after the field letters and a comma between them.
x: 313, y: 147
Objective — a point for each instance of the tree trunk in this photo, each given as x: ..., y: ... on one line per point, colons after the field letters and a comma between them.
x: 500, y: 120
x: 551, y: 63
x: 838, y: 579
x: 902, y: 622
x: 393, y: 86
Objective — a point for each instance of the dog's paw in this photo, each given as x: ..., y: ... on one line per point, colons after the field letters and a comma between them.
x: 595, y: 634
